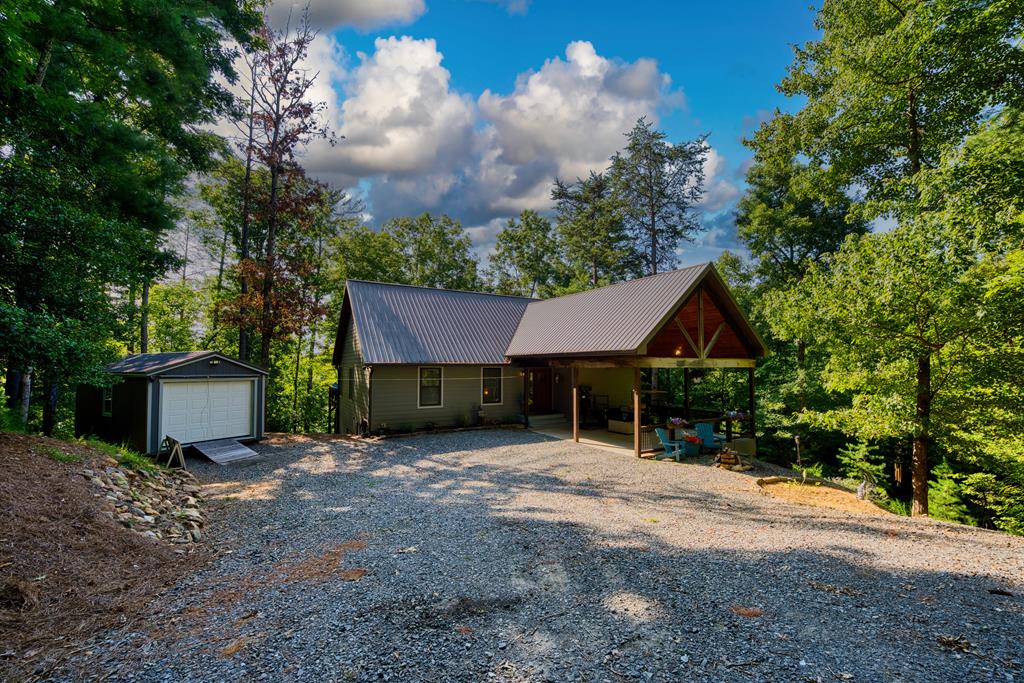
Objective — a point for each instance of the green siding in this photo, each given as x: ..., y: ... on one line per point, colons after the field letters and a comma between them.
x: 396, y: 388
x: 353, y: 411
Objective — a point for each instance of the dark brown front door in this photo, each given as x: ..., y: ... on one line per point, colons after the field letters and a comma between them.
x: 540, y: 391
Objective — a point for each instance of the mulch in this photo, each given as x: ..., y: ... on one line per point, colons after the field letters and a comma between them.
x: 67, y: 571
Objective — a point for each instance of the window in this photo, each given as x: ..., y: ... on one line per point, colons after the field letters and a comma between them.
x: 351, y: 381
x: 491, y: 386
x: 108, y: 401
x: 430, y: 387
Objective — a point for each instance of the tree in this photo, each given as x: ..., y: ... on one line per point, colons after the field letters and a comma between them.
x: 791, y: 215
x: 659, y: 184
x: 523, y: 261
x: 591, y: 231
x: 285, y: 120
x: 102, y: 109
x: 436, y: 250
x: 891, y: 87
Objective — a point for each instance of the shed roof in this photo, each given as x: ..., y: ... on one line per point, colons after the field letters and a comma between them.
x: 617, y: 319
x: 402, y: 324
x: 154, y: 363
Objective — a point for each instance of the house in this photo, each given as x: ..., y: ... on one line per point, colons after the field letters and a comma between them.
x: 414, y: 357
x: 191, y: 396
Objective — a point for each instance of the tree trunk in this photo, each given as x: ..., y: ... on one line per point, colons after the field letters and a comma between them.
x: 266, y: 322
x: 243, y: 285
x: 12, y: 388
x: 801, y: 358
x: 295, y: 382
x: 26, y: 395
x: 144, y: 319
x: 919, y: 469
x: 44, y: 62
x: 50, y: 406
x: 309, y: 378
x: 131, y: 319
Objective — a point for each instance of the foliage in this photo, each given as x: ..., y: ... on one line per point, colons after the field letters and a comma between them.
x: 860, y: 460
x: 436, y: 251
x: 123, y: 454
x: 592, y: 232
x: 658, y: 184
x: 174, y: 309
x: 521, y: 264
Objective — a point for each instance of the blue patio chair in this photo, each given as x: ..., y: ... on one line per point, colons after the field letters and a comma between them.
x: 708, y: 438
x: 673, y: 449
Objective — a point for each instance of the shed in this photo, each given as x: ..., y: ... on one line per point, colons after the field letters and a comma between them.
x: 192, y: 396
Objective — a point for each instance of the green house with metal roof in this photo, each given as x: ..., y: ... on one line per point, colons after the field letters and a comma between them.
x: 411, y: 358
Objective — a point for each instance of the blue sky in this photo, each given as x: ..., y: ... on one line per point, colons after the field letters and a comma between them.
x: 470, y: 106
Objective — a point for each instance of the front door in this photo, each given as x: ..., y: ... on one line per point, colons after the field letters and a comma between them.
x: 540, y: 391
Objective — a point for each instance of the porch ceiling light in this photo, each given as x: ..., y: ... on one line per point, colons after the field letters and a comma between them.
x: 679, y: 350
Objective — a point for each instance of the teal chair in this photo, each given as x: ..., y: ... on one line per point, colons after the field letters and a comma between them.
x: 673, y: 449
x: 708, y: 438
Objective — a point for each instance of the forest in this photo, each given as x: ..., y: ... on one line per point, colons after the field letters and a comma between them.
x: 882, y: 226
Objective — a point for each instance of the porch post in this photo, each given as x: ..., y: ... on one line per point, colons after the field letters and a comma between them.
x: 636, y: 411
x: 686, y: 393
x: 575, y: 406
x: 750, y: 405
x: 526, y: 396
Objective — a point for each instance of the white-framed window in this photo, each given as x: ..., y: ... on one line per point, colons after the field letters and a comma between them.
x: 431, y: 391
x: 108, y: 401
x: 351, y: 382
x: 490, y: 386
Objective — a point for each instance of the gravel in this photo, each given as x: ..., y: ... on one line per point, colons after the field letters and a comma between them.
x: 507, y: 556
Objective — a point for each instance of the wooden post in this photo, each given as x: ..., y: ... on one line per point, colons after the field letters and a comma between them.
x: 750, y: 406
x: 526, y: 396
x: 686, y: 393
x: 636, y: 411
x: 575, y: 406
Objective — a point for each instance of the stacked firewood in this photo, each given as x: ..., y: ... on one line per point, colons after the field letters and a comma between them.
x: 729, y: 459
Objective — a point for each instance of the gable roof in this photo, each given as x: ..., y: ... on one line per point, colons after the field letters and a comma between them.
x: 146, y: 364
x: 618, y: 319
x: 403, y: 324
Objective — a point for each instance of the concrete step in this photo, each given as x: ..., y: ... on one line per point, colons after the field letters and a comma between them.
x: 553, y: 420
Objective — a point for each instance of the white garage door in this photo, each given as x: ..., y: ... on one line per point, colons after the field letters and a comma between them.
x: 207, y: 409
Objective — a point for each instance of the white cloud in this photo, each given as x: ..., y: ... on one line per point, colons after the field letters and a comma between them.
x: 573, y: 111
x: 718, y: 191
x: 400, y: 116
x: 326, y: 15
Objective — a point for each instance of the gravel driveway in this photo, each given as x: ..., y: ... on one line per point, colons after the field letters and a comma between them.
x: 507, y: 556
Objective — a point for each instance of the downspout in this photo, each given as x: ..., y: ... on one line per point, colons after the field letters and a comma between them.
x: 369, y: 399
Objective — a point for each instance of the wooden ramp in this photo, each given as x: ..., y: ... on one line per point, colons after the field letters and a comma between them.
x: 223, y: 451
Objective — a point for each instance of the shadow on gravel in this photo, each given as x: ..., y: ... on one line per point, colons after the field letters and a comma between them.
x: 504, y: 556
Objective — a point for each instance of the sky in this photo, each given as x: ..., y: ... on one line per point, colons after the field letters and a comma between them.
x: 472, y: 107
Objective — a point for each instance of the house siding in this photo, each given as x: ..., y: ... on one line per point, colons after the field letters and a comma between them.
x: 127, y: 423
x: 353, y: 412
x: 396, y: 391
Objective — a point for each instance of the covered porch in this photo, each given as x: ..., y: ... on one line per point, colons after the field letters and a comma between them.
x: 618, y: 403
x: 621, y: 361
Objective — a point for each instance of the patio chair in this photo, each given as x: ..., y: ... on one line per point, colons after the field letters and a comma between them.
x: 673, y: 449
x: 708, y: 438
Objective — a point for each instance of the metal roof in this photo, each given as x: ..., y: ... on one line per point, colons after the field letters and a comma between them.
x: 406, y: 324
x: 153, y: 363
x: 616, y: 319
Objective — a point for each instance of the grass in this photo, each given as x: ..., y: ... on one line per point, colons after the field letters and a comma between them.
x: 57, y: 454
x: 124, y: 455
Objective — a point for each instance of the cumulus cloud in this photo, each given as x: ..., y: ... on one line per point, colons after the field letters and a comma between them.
x: 719, y: 192
x: 413, y: 143
x: 327, y: 15
x: 400, y: 116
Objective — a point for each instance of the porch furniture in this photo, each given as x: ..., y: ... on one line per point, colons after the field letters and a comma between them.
x: 620, y: 426
x: 708, y: 438
x: 673, y: 449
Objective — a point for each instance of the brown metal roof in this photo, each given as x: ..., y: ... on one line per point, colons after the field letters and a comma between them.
x: 410, y: 325
x: 617, y: 319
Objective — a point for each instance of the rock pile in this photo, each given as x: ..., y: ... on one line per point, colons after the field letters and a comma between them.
x: 161, y: 504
